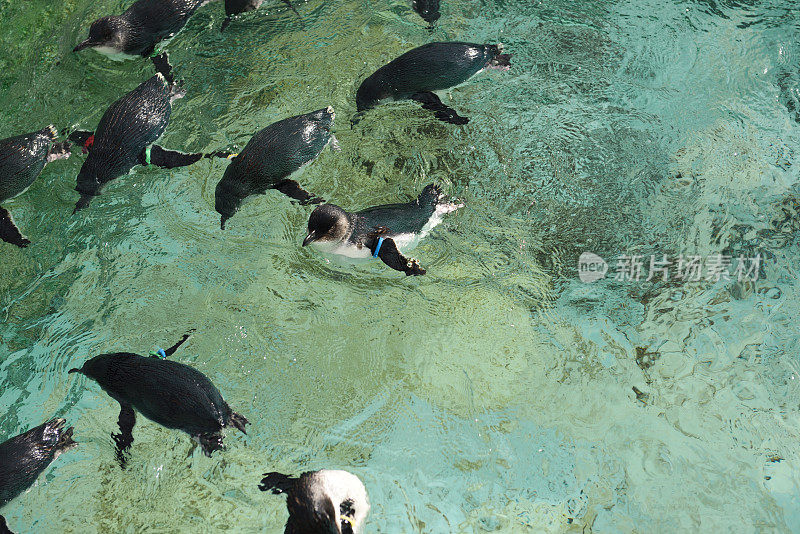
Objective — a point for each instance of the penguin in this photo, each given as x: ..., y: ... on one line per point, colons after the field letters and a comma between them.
x: 427, y: 9
x: 140, y: 29
x: 234, y: 7
x: 23, y: 458
x: 270, y: 157
x: 379, y: 232
x: 321, y: 502
x: 169, y: 393
x: 124, y: 137
x: 432, y: 67
x: 22, y: 159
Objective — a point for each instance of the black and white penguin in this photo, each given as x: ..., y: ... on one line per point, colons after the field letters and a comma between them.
x: 270, y: 157
x: 124, y: 138
x: 380, y: 232
x: 432, y: 67
x: 22, y: 159
x: 321, y: 502
x: 234, y: 7
x: 23, y: 458
x: 427, y: 9
x: 169, y: 393
x: 140, y: 28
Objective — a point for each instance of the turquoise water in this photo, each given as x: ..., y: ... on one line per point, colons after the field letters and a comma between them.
x: 497, y: 392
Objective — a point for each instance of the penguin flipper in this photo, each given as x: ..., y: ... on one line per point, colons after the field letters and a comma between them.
x: 293, y: 190
x: 170, y: 351
x: 123, y: 440
x: 9, y: 231
x: 391, y: 256
x: 4, y: 527
x: 433, y: 103
x: 169, y: 159
x: 162, y: 65
x: 277, y: 482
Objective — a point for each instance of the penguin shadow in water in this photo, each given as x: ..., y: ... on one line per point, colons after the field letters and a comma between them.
x: 321, y: 502
x: 124, y: 139
x: 22, y: 159
x: 420, y: 72
x: 26, y: 456
x: 169, y: 393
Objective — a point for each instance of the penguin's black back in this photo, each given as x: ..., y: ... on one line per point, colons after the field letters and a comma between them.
x: 130, y: 124
x: 431, y: 67
x: 170, y: 393
x: 406, y: 218
x: 22, y: 159
x: 23, y: 458
x: 154, y: 20
x: 280, y: 149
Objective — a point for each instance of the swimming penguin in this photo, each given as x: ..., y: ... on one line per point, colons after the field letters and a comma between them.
x: 270, y: 157
x: 234, y: 7
x: 124, y: 137
x: 321, y: 502
x: 139, y: 30
x: 23, y: 458
x: 379, y: 232
x: 169, y: 393
x: 431, y: 67
x: 22, y: 159
x: 427, y: 9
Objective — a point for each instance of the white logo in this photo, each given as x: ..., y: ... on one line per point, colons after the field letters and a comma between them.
x: 591, y: 267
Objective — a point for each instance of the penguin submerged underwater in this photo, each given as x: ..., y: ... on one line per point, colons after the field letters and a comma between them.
x: 271, y: 156
x: 167, y: 392
x: 416, y: 74
x: 22, y: 159
x: 26, y: 456
x: 124, y: 139
x: 379, y: 232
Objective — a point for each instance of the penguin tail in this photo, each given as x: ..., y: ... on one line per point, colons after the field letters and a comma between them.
x: 430, y: 196
x: 225, y: 23
x: 276, y: 482
x: 289, y: 3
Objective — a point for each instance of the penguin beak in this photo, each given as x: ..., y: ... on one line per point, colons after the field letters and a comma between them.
x: 312, y: 235
x: 85, y: 44
x: 73, y: 370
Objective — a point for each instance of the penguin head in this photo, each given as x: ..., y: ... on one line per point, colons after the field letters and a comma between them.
x: 328, y: 502
x: 372, y: 91
x: 103, y: 368
x: 328, y: 223
x: 111, y: 32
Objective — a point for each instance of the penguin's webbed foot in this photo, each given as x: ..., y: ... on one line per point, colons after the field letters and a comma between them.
x: 210, y: 442
x: 123, y: 440
x: 293, y: 190
x: 431, y: 102
x: 391, y: 256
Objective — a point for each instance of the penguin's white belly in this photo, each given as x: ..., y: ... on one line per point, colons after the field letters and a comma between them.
x: 344, y: 249
x: 113, y: 54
